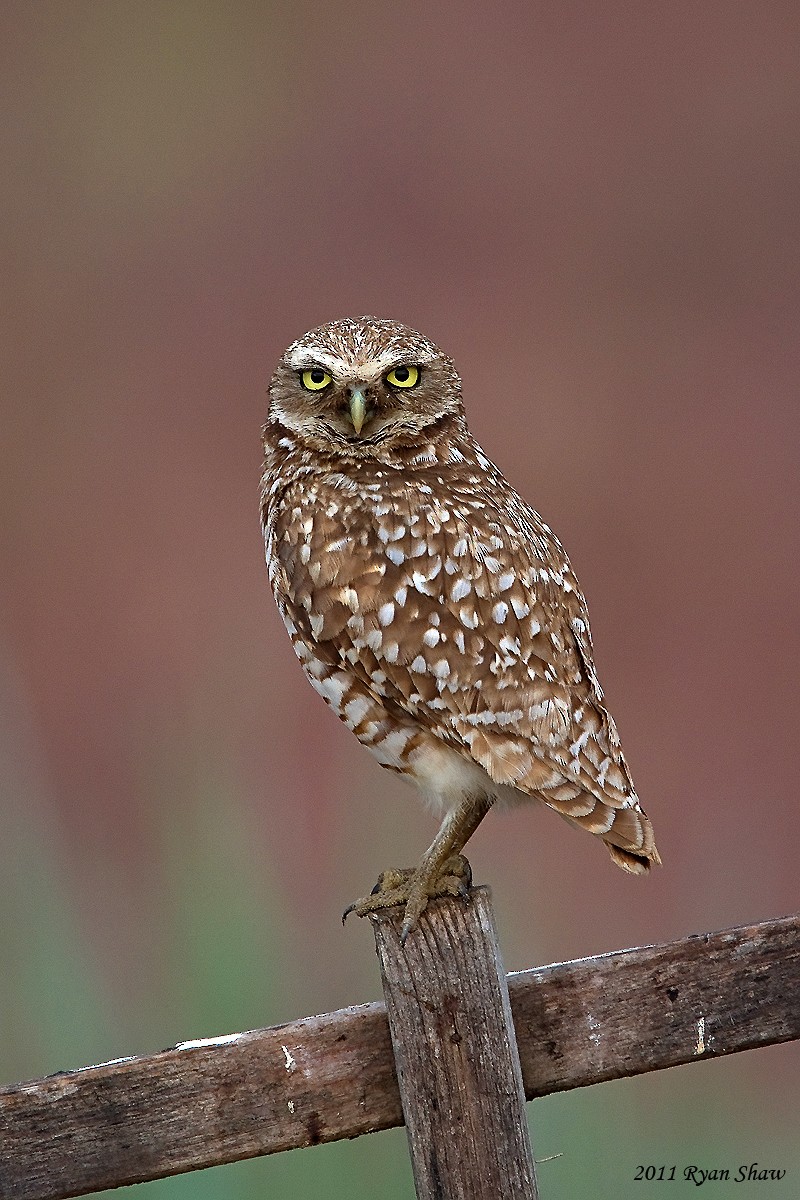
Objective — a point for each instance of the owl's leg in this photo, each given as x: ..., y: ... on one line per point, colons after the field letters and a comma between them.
x: 442, y: 870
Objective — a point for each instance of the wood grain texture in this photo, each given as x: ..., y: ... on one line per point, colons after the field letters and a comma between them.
x: 333, y: 1076
x: 197, y: 1105
x: 641, y: 1010
x: 455, y: 1049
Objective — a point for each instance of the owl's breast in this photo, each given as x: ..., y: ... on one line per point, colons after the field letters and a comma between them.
x: 422, y: 588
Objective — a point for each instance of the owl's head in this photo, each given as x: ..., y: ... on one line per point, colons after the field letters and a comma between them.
x: 362, y: 385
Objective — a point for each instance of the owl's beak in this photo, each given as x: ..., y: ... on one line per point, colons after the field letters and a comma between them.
x: 358, y: 409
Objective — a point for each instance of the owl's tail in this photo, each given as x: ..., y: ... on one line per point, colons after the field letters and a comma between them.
x: 626, y: 831
x: 636, y: 864
x: 630, y: 840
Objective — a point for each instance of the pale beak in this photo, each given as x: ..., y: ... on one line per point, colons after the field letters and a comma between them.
x: 358, y: 409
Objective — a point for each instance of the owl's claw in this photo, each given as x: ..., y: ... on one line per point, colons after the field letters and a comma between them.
x: 414, y: 887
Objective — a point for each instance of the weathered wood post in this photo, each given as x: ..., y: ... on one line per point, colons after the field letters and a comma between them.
x: 456, y: 1053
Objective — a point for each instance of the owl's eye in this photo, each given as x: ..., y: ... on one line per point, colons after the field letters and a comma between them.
x: 403, y: 377
x: 315, y: 379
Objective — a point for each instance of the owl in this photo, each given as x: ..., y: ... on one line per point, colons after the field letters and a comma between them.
x: 430, y: 606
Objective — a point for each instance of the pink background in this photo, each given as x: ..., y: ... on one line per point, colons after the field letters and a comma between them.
x: 594, y: 209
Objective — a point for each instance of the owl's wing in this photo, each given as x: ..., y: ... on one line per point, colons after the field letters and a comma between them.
x: 524, y: 695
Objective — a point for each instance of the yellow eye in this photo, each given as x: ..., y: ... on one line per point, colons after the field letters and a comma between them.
x: 315, y: 379
x: 404, y: 377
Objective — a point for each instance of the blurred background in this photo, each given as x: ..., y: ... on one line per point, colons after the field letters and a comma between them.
x: 594, y: 209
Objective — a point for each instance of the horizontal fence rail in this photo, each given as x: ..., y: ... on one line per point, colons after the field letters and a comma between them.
x: 327, y: 1077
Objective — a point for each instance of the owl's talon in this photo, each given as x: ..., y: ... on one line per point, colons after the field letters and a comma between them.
x: 414, y: 887
x: 459, y: 867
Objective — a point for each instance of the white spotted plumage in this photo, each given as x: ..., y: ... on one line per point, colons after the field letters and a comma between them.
x: 429, y: 605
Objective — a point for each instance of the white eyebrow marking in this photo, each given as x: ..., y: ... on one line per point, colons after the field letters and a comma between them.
x: 308, y: 356
x: 366, y: 371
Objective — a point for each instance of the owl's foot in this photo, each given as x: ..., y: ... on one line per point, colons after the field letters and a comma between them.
x: 414, y: 887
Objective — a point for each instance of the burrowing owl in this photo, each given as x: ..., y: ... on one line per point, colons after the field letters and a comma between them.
x: 429, y: 605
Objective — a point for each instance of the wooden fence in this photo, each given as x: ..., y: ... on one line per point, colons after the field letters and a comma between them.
x: 453, y: 1060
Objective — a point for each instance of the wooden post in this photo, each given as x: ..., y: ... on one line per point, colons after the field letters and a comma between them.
x: 456, y: 1052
